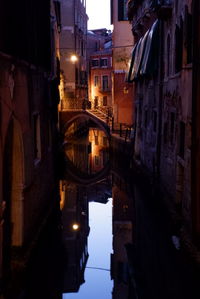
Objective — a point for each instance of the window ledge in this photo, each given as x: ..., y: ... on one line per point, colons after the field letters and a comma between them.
x: 187, y: 66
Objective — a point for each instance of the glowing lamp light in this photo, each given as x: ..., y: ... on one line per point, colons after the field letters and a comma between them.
x: 73, y: 58
x: 75, y: 226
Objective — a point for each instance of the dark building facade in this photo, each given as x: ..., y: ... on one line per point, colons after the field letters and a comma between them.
x: 162, y: 72
x: 29, y: 97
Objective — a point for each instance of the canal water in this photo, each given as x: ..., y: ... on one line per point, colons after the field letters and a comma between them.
x: 110, y: 237
x: 97, y: 280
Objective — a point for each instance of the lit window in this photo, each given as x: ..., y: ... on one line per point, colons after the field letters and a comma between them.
x: 96, y: 80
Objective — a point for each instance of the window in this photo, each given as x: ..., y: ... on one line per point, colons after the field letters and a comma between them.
x: 104, y: 62
x: 96, y: 80
x: 105, y: 82
x: 178, y: 47
x: 37, y: 137
x: 168, y: 55
x: 96, y: 46
x: 105, y: 101
x: 122, y: 10
x: 95, y: 62
x: 182, y: 139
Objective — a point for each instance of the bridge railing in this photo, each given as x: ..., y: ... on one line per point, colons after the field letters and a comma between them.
x: 123, y: 130
x: 73, y: 104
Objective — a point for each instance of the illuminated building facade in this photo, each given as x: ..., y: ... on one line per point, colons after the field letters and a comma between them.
x: 73, y: 42
x: 122, y: 91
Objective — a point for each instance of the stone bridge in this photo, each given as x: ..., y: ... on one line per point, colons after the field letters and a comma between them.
x: 67, y: 117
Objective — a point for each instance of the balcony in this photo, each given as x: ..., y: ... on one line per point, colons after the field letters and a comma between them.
x: 162, y: 7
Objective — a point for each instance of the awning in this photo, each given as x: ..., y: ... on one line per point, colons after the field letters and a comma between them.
x: 130, y: 77
x: 144, y: 60
x: 149, y: 63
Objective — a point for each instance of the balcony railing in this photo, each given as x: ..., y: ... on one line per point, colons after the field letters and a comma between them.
x: 163, y: 7
x: 105, y: 89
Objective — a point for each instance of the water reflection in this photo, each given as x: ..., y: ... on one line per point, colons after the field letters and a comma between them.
x: 77, y: 219
x: 99, y: 270
x: 75, y: 232
x: 122, y: 237
x: 86, y: 149
x: 97, y: 282
x: 110, y: 237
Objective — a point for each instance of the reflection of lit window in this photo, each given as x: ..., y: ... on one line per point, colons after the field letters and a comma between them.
x: 96, y: 160
x: 96, y: 140
x: 104, y: 140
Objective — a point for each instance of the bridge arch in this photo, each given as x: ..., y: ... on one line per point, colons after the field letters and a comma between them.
x: 87, y: 116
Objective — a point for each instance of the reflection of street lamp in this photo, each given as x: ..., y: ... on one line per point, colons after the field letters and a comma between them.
x: 75, y: 226
x: 74, y: 58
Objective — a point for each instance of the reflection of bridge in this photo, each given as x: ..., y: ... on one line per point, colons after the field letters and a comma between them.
x: 67, y: 117
x: 75, y: 175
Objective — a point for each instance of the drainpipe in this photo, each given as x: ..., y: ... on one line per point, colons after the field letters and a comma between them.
x: 195, y: 171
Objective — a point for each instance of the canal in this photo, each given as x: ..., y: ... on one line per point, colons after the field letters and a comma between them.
x: 111, y: 238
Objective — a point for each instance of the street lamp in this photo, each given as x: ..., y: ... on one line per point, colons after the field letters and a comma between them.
x: 74, y: 58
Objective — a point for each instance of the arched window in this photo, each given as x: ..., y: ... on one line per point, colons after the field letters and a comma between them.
x: 179, y: 47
